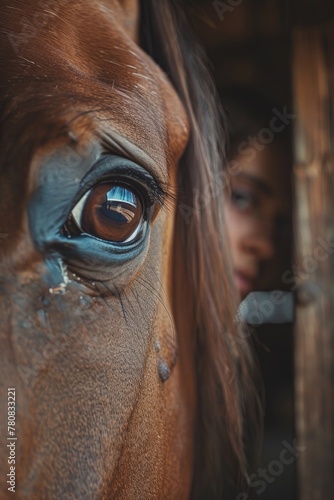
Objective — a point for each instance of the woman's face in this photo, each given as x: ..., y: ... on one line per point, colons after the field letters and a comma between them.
x: 258, y: 218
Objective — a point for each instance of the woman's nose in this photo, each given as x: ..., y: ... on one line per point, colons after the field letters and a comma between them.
x: 260, y: 241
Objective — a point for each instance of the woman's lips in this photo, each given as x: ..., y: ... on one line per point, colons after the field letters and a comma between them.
x: 244, y: 283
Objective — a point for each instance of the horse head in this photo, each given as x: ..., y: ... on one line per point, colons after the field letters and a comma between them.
x: 117, y: 328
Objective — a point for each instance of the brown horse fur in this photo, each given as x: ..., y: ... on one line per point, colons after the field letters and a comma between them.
x: 135, y: 384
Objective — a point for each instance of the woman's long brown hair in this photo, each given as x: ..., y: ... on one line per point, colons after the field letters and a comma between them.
x: 229, y: 407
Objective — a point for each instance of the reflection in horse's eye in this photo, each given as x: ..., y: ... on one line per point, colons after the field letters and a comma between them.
x: 111, y: 212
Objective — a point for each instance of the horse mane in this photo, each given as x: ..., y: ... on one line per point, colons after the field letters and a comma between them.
x: 229, y: 405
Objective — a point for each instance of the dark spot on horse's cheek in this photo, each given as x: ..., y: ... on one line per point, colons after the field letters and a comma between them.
x: 163, y: 370
x: 166, y: 351
x: 157, y: 346
x: 165, y: 344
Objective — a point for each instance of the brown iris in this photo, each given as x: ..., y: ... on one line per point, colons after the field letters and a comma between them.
x: 111, y: 212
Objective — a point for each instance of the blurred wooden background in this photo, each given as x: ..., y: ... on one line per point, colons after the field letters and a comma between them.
x: 285, y: 51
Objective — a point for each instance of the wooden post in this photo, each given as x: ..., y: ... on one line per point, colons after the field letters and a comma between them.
x: 313, y: 71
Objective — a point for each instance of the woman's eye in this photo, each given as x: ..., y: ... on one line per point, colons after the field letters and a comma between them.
x: 242, y: 199
x: 111, y: 212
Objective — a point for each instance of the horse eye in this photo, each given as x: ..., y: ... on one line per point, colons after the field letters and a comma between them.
x: 111, y: 212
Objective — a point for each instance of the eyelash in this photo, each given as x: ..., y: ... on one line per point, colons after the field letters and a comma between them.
x: 151, y: 192
x: 147, y: 187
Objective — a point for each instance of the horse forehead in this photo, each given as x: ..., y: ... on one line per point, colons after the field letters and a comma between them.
x: 91, y: 48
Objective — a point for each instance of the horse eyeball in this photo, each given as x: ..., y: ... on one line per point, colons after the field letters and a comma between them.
x: 110, y: 212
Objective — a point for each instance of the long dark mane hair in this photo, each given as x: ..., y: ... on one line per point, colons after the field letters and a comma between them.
x: 229, y: 407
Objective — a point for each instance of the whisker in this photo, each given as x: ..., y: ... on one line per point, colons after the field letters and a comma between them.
x: 118, y: 295
x: 174, y: 335
x: 157, y: 296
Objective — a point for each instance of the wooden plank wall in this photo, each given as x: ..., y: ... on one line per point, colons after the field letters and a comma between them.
x: 313, y: 71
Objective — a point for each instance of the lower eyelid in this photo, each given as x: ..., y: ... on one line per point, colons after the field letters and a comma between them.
x: 133, y: 236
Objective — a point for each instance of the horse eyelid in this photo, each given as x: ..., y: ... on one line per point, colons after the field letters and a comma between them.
x: 144, y: 182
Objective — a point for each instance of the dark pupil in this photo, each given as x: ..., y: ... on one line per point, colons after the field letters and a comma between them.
x: 112, y: 212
